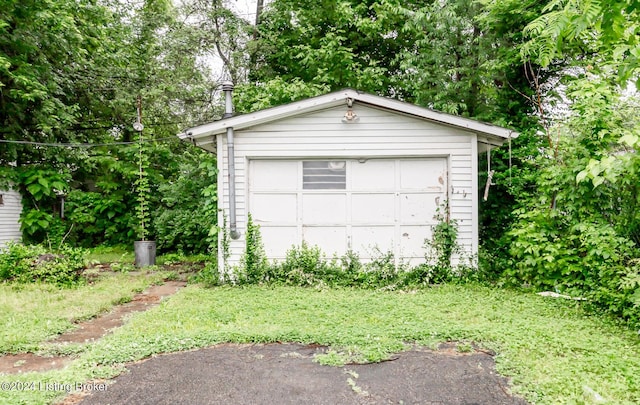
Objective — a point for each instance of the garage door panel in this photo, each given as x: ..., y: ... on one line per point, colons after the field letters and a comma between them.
x: 366, y: 239
x: 324, y: 208
x: 274, y: 208
x: 373, y: 208
x: 278, y: 239
x: 419, y: 208
x: 412, y: 240
x: 428, y: 174
x: 274, y: 174
x: 373, y: 175
x: 332, y: 239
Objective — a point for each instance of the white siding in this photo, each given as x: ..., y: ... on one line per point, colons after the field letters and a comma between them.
x: 10, y: 210
x: 378, y: 133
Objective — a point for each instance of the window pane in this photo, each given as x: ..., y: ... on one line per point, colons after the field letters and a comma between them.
x: 324, y: 175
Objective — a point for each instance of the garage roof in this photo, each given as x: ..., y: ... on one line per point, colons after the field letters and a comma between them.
x: 341, y: 97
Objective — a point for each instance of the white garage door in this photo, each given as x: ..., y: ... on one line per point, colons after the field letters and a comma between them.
x: 340, y: 205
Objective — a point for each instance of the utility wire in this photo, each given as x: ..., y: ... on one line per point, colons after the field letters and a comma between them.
x: 81, y: 145
x: 97, y: 127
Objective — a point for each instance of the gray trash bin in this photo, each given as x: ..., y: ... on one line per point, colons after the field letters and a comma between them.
x: 145, y: 253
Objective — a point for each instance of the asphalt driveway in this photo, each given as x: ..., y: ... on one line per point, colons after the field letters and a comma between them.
x: 286, y: 374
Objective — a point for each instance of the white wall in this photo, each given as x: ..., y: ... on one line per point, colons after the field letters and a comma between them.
x: 9, y: 217
x: 378, y: 133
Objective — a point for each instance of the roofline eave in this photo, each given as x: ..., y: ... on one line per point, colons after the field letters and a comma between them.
x: 335, y: 99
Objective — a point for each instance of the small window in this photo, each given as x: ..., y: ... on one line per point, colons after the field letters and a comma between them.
x: 324, y: 175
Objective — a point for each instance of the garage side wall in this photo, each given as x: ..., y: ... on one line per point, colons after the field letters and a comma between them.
x: 10, y: 209
x: 377, y: 134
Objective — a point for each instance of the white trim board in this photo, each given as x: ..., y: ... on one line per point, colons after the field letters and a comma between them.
x: 198, y: 134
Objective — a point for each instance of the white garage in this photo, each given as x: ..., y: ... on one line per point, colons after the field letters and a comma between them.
x: 346, y: 171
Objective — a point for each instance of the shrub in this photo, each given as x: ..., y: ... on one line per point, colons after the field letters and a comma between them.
x: 303, y: 265
x: 209, y: 275
x: 31, y: 263
x: 186, y: 218
x: 380, y: 272
x: 254, y: 259
x: 553, y: 251
x: 307, y: 265
x: 440, y: 250
x: 99, y: 217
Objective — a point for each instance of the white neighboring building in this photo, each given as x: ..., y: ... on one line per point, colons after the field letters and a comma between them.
x: 348, y: 171
x: 10, y: 210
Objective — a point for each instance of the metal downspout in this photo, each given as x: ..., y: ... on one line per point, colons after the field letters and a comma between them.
x: 227, y: 87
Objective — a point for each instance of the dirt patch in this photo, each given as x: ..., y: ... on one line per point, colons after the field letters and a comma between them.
x: 96, y: 328
x: 88, y: 331
x: 287, y: 374
x: 26, y: 362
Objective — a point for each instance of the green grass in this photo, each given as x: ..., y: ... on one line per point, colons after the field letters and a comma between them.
x: 550, y: 349
x: 110, y: 254
x: 33, y: 313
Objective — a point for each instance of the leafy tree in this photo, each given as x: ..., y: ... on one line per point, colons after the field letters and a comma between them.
x: 445, y: 68
x: 46, y: 50
x: 578, y: 231
x: 351, y: 43
x: 45, y: 46
x: 605, y: 30
x: 186, y: 220
x: 219, y: 33
x: 581, y: 233
x: 71, y: 73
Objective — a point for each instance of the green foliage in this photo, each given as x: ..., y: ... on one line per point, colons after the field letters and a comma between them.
x: 381, y: 272
x: 81, y: 88
x: 254, y: 259
x: 347, y: 44
x: 209, y: 275
x: 226, y: 240
x: 32, y: 263
x: 142, y: 191
x: 443, y: 244
x: 42, y: 184
x: 41, y: 188
x: 273, y: 92
x: 45, y: 48
x: 308, y: 266
x: 186, y: 218
x: 580, y: 235
x: 444, y: 257
x: 99, y: 218
x: 573, y: 28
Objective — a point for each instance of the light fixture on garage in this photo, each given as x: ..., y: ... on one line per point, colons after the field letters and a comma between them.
x: 350, y: 115
x: 337, y: 165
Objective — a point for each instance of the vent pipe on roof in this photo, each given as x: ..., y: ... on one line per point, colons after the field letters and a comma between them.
x: 227, y: 87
